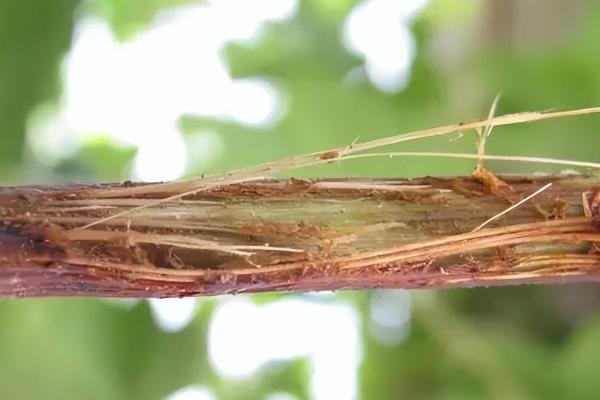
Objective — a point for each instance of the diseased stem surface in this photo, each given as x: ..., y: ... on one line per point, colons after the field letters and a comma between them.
x: 288, y: 235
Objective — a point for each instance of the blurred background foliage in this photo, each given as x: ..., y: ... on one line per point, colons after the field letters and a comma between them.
x: 522, y: 342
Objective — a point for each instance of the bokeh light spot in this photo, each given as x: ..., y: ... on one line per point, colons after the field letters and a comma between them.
x: 172, y: 315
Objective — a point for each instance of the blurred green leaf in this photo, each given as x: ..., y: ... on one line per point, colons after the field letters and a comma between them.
x: 34, y: 35
x: 580, y: 363
x: 411, y: 370
x: 290, y: 376
x: 99, y: 159
x: 94, y: 350
x: 128, y: 17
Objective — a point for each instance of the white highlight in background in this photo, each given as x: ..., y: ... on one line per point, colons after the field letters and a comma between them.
x: 243, y: 20
x: 192, y: 392
x: 255, y: 102
x: 243, y: 337
x: 162, y: 157
x: 172, y: 315
x: 378, y: 31
x: 280, y: 396
x: 390, y: 312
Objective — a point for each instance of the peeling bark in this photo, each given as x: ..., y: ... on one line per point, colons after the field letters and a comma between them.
x: 296, y: 235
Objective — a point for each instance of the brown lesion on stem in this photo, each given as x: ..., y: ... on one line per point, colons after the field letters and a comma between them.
x: 294, y: 235
x: 492, y: 183
x: 592, y: 201
x: 557, y: 211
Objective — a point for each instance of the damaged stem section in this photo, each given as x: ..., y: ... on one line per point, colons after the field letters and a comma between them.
x: 296, y: 235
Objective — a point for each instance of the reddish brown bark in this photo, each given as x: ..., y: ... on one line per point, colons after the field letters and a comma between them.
x: 295, y: 235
